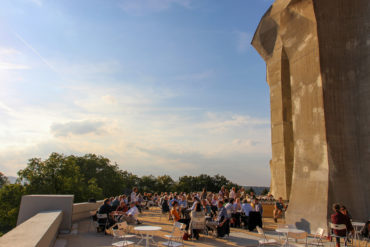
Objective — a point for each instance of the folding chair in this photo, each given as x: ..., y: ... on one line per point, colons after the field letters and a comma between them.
x: 264, y: 241
x: 121, y: 233
x: 175, y: 238
x: 318, y: 237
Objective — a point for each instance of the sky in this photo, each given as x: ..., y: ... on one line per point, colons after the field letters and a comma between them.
x: 157, y: 86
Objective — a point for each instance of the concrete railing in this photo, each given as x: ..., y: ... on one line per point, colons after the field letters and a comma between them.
x: 38, y: 231
x: 82, y: 210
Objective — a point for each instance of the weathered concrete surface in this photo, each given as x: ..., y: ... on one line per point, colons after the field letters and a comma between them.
x: 82, y: 210
x: 39, y: 231
x: 318, y: 69
x: 33, y: 204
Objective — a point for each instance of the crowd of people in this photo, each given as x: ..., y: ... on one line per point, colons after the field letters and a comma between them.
x: 222, y: 210
x: 234, y: 208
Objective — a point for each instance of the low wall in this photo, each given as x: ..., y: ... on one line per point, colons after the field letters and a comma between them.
x: 33, y: 204
x: 38, y: 231
x: 268, y: 210
x: 82, y: 210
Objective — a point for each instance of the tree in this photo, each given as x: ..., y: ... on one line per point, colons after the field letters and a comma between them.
x: 3, y: 180
x: 10, y: 199
x: 165, y: 183
x: 265, y: 191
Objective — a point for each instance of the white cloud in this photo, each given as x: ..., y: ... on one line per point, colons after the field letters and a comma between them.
x: 139, y: 7
x: 12, y: 66
x: 77, y: 128
x: 243, y: 40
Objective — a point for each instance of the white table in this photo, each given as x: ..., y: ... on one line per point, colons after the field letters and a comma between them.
x: 286, y: 230
x: 147, y: 230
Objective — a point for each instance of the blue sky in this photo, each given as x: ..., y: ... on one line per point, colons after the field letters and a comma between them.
x: 158, y: 86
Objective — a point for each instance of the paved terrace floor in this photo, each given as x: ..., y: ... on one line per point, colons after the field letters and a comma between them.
x: 81, y: 235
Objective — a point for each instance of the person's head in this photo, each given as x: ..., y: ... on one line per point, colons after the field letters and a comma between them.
x: 245, y: 201
x: 226, y: 200
x: 280, y: 199
x: 132, y: 204
x: 232, y: 200
x: 233, y: 189
x: 106, y: 201
x: 256, y: 201
x: 122, y: 204
x: 336, y: 207
x: 343, y: 210
x: 222, y: 188
x: 134, y: 189
x: 220, y: 204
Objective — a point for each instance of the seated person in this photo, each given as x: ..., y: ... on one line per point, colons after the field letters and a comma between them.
x: 339, y: 218
x: 278, y: 209
x: 131, y: 215
x: 220, y: 223
x: 106, y: 209
x: 206, y: 207
x: 122, y: 208
x: 115, y: 203
x: 176, y: 216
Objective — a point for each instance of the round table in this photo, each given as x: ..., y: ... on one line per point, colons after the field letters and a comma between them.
x: 286, y: 230
x: 147, y: 230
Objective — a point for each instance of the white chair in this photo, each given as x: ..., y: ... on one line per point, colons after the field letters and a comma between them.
x: 339, y: 227
x: 175, y: 238
x: 318, y: 237
x: 264, y: 241
x: 198, y: 223
x: 298, y: 236
x: 121, y: 234
x: 102, y: 221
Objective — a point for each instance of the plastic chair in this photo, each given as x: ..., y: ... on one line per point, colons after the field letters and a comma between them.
x: 175, y: 238
x: 264, y: 241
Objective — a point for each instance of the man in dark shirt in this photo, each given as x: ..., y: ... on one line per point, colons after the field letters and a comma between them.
x: 339, y: 218
x: 106, y: 209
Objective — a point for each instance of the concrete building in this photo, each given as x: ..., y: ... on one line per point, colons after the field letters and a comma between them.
x: 318, y: 68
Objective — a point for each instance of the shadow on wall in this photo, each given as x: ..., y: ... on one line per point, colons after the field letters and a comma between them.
x: 303, y: 225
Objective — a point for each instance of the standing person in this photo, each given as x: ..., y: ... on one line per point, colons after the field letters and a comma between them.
x: 133, y: 195
x: 203, y: 196
x: 246, y: 209
x: 258, y: 207
x: 339, y: 218
x: 222, y: 192
x: 232, y: 193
